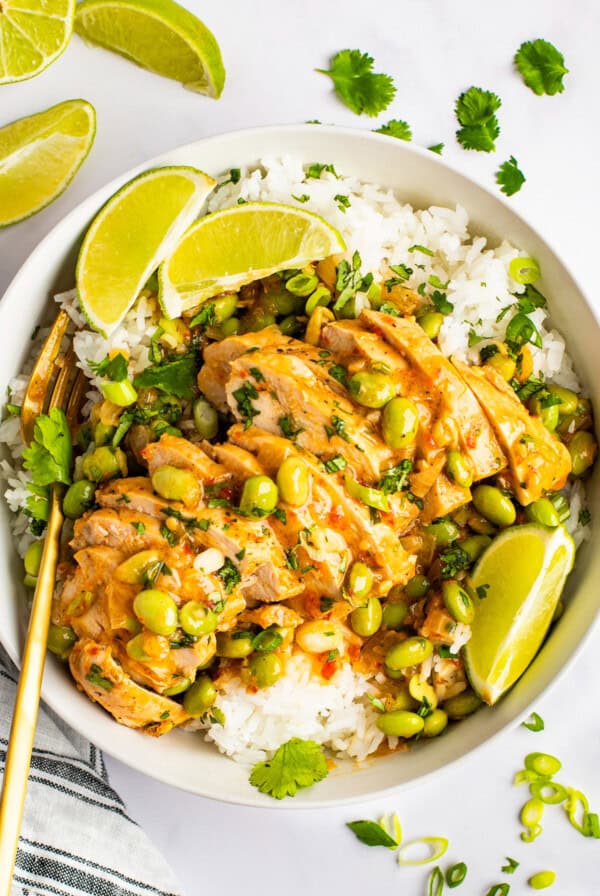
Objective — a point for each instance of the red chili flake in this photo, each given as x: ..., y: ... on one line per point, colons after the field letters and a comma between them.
x: 329, y: 669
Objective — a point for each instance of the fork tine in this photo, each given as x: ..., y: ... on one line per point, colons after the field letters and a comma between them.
x: 41, y: 375
x: 77, y: 396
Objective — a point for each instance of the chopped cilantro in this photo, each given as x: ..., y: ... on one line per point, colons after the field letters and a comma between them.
x: 487, y: 352
x: 229, y: 575
x: 295, y: 765
x: 243, y: 397
x: 534, y: 723
x: 436, y: 148
x: 522, y: 330
x: 288, y: 427
x: 476, y: 113
x: 541, y: 66
x: 584, y: 517
x: 482, y: 591
x: 336, y: 463
x: 509, y: 177
x: 350, y: 280
x: 48, y: 459
x: 343, y: 202
x: 206, y: 317
x: 303, y: 198
x: 316, y: 169
x: 171, y: 377
x: 325, y: 604
x: 235, y: 175
x: 280, y: 514
x: 170, y: 537
x: 453, y: 560
x: 388, y: 308
x: 402, y: 272
x: 338, y: 373
x: 511, y: 866
x: 396, y: 128
x: 291, y: 561
x: 114, y: 369
x: 339, y: 427
x: 371, y: 833
x: 257, y: 375
x: 396, y: 478
x: 357, y: 85
x: 139, y: 527
x: 441, y: 302
x: 96, y: 678
x: 418, y: 248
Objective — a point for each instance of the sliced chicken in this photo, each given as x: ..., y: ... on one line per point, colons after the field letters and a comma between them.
x: 81, y: 601
x: 538, y: 461
x: 123, y: 529
x: 105, y: 682
x: 444, y: 497
x: 178, y: 452
x: 135, y: 493
x: 240, y: 463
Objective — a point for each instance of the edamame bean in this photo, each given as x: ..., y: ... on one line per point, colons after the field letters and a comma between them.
x: 283, y: 303
x: 78, y: 498
x: 435, y: 723
x: 60, y: 640
x: 403, y: 700
x: 230, y: 327
x: 431, y: 322
x: 293, y: 481
x: 400, y: 723
x: 257, y: 319
x: 178, y: 688
x: 259, y: 496
x: 461, y: 705
x: 33, y: 558
x: 457, y: 602
x: 196, y: 619
x: 494, y: 505
x: 543, y: 512
x: 103, y: 434
x: 459, y: 469
x: 234, y: 645
x: 136, y: 648
x: 444, y: 531
x: 174, y: 484
x: 206, y: 419
x: 104, y: 463
x: 290, y: 325
x: 548, y: 414
x: 365, y: 621
x: 417, y: 587
x: 422, y: 691
x: 371, y: 389
x: 582, y: 448
x: 133, y: 569
x: 568, y: 399
x: 156, y: 610
x: 503, y: 364
x: 406, y: 653
x: 475, y: 545
x: 394, y: 615
x: 266, y: 669
x: 581, y: 419
x: 224, y: 307
x: 400, y: 423
x: 199, y: 697
x: 360, y: 580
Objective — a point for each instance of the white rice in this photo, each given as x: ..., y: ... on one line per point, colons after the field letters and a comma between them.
x: 382, y: 229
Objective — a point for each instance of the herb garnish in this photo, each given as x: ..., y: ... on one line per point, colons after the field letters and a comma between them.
x: 541, y: 66
x: 509, y: 177
x: 371, y: 833
x: 172, y: 377
x: 357, y: 85
x: 335, y: 464
x: 396, y: 128
x: 396, y: 478
x: 476, y: 113
x: 287, y: 425
x: 295, y: 765
x: 350, y: 280
x: 229, y: 575
x: 244, y: 396
x: 453, y: 560
x: 114, y: 369
x: 96, y: 678
x: 315, y: 169
x: 436, y: 148
x: 48, y: 459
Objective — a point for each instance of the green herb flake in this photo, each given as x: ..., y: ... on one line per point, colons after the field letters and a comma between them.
x: 48, y: 458
x: 302, y: 198
x: 476, y: 113
x: 296, y: 764
x: 511, y: 866
x: 357, y: 85
x: 395, y: 479
x: 541, y: 66
x: 482, y: 591
x: 229, y: 575
x: 371, y: 833
x: 453, y: 560
x: 170, y: 537
x: 585, y: 517
x: 396, y: 128
x: 171, y: 377
x: 534, y: 723
x: 315, y: 170
x: 423, y: 249
x: 244, y: 397
x: 343, y: 202
x: 114, y: 368
x: 96, y: 678
x: 509, y: 177
x: 335, y: 464
x: 437, y: 148
x: 288, y: 427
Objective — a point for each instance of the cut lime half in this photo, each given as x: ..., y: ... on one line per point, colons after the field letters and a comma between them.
x: 130, y: 236
x: 40, y: 155
x: 517, y: 584
x: 33, y: 33
x: 237, y: 245
x: 159, y: 35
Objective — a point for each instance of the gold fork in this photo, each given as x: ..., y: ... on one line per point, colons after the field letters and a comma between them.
x: 54, y: 382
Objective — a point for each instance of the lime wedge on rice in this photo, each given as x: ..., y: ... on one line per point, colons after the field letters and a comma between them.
x: 40, y: 155
x: 159, y: 35
x: 130, y: 236
x: 519, y: 580
x: 237, y: 245
x: 33, y: 33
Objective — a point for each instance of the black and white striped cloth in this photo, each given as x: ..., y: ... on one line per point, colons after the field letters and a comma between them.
x: 76, y: 838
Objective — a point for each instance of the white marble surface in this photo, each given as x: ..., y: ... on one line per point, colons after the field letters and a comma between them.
x: 435, y: 49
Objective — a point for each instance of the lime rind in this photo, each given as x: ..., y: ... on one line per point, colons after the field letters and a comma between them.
x: 69, y: 106
x: 173, y: 232
x: 44, y: 10
x: 209, y: 79
x: 521, y: 642
x: 319, y: 241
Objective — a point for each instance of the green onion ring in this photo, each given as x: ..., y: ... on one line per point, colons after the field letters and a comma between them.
x: 591, y: 825
x: 531, y: 834
x: 436, y: 882
x: 391, y: 825
x: 558, y: 792
x: 524, y: 270
x: 575, y: 799
x: 534, y: 723
x: 456, y: 874
x: 438, y: 846
x: 499, y: 890
x: 526, y: 776
x: 543, y: 764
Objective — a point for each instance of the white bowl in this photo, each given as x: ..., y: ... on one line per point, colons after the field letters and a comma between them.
x: 423, y: 179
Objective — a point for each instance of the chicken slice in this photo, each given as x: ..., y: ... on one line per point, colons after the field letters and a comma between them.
x: 178, y: 452
x: 538, y: 461
x: 135, y: 493
x: 81, y: 601
x: 448, y: 678
x: 240, y: 463
x: 458, y: 410
x: 105, y: 682
x: 123, y: 529
x: 323, y: 421
x: 444, y: 497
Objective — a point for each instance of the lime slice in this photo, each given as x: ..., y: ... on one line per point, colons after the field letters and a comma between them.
x: 40, y: 155
x: 159, y: 35
x: 130, y: 236
x: 227, y: 249
x: 522, y: 575
x: 33, y: 33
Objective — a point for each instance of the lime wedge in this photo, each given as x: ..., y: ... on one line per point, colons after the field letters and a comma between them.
x: 229, y: 248
x: 40, y: 155
x: 130, y: 236
x: 159, y: 35
x: 521, y: 574
x: 33, y: 33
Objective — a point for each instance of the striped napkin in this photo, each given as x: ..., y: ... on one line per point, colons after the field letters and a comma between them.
x: 76, y: 838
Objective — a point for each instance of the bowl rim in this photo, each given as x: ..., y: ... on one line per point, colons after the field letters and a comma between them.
x: 95, y: 201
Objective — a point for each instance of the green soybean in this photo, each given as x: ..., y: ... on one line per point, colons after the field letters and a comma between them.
x: 199, y: 697
x: 365, y: 621
x: 234, y: 645
x: 293, y: 481
x: 457, y: 602
x: 400, y: 723
x: 462, y: 705
x: 543, y: 512
x: 371, y: 389
x: 568, y: 399
x: 435, y: 723
x: 60, y: 640
x: 400, y: 423
x: 475, y: 545
x: 582, y: 449
x: 78, y: 498
x: 104, y: 463
x: 266, y: 669
x: 360, y: 580
x: 417, y: 587
x: 224, y: 307
x: 206, y: 419
x: 444, y: 531
x: 394, y: 615
x: 103, y: 434
x: 196, y: 619
x: 33, y: 558
x: 459, y: 469
x: 431, y: 322
x: 259, y: 496
x: 156, y: 610
x: 494, y: 505
x: 406, y: 653
x: 178, y: 688
x: 175, y: 484
x: 548, y: 414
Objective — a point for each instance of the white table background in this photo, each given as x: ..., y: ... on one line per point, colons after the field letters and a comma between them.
x: 435, y: 49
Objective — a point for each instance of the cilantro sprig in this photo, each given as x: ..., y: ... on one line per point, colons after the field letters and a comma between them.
x: 476, y: 113
x: 48, y: 459
x: 509, y: 177
x: 541, y: 66
x: 296, y: 764
x: 357, y: 85
x: 396, y: 128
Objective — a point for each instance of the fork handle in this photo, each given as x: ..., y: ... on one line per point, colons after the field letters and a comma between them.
x: 20, y: 744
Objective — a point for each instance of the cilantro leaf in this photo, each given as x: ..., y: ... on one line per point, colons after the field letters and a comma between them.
x: 436, y: 148
x: 371, y: 834
x: 48, y: 459
x: 316, y: 169
x: 296, y: 764
x: 541, y: 66
x: 510, y: 177
x: 476, y: 113
x: 172, y: 377
x: 396, y: 128
x: 114, y: 369
x: 357, y: 85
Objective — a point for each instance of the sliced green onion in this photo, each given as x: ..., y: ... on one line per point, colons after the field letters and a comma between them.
x: 436, y: 882
x: 121, y: 394
x: 456, y: 874
x: 511, y: 866
x: 575, y: 800
x: 531, y: 815
x: 541, y: 880
x: 521, y: 330
x: 437, y: 845
x: 374, y: 292
x: 391, y: 825
x: 534, y: 722
x: 321, y: 296
x: 526, y: 776
x: 302, y: 284
x: 531, y: 834
x: 499, y: 890
x: 524, y: 270
x: 372, y: 497
x: 558, y: 793
x: 543, y: 764
x: 591, y: 825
